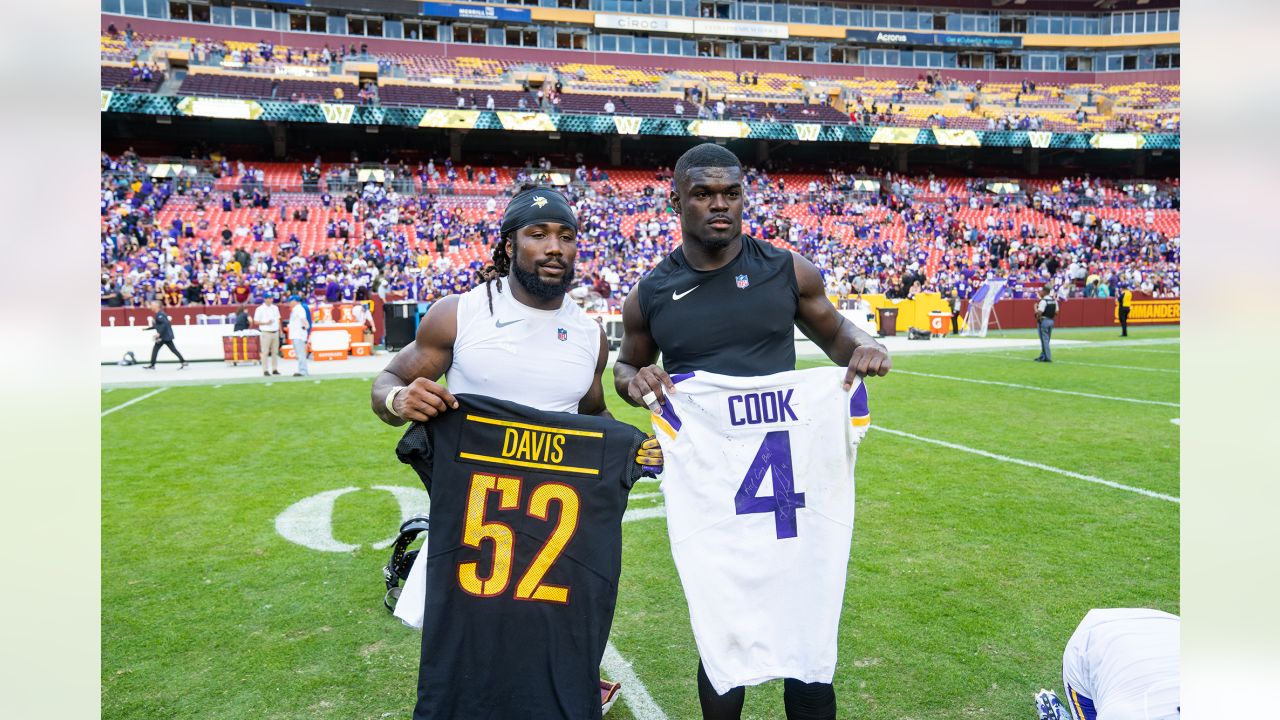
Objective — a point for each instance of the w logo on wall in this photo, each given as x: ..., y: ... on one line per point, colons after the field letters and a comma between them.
x: 627, y: 125
x: 807, y: 132
x: 336, y: 113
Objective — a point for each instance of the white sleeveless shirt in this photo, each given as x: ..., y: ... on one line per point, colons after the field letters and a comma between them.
x: 545, y: 359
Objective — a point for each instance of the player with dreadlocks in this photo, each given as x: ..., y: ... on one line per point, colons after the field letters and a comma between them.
x: 522, y: 340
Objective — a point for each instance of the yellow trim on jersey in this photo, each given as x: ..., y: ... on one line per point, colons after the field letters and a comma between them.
x: 860, y: 421
x: 663, y: 425
x: 539, y: 428
x: 1075, y: 699
x: 532, y: 465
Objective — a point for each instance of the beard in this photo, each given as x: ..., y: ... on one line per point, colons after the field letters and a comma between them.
x: 715, y: 244
x: 538, y: 287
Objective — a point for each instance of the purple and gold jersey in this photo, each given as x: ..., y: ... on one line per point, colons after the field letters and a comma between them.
x: 759, y: 491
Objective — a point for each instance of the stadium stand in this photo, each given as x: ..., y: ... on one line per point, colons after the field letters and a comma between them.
x: 264, y: 70
x: 249, y: 231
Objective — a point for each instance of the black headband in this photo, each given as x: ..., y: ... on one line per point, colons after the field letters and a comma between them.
x: 537, y: 206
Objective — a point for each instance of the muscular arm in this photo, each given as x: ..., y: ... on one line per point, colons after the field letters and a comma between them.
x: 419, y: 366
x: 840, y: 339
x: 593, y: 402
x: 634, y: 373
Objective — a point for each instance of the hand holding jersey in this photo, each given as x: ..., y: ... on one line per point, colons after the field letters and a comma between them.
x: 507, y: 340
x: 759, y: 492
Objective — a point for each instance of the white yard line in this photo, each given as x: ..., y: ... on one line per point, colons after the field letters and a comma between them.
x: 138, y: 399
x: 1030, y: 464
x: 644, y: 513
x: 644, y: 496
x: 633, y: 691
x: 1097, y: 365
x: 1148, y: 350
x: 1038, y: 389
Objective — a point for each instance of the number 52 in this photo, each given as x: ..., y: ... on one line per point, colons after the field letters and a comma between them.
x: 476, y: 530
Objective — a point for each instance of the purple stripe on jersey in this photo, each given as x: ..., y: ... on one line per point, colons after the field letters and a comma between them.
x: 678, y: 377
x: 1082, y: 705
x: 858, y: 402
x: 669, y: 414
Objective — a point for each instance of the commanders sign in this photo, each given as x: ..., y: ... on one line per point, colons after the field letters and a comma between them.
x: 1152, y: 312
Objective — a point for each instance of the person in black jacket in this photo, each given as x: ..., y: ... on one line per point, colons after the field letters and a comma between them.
x: 164, y: 335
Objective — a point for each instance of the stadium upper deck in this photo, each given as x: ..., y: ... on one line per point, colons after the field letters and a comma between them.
x: 266, y: 70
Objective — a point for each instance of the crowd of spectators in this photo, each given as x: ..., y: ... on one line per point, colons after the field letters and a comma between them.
x: 400, y: 244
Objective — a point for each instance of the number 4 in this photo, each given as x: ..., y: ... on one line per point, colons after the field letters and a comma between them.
x: 774, y: 456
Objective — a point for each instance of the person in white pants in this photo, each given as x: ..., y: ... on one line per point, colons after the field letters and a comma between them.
x: 299, y: 331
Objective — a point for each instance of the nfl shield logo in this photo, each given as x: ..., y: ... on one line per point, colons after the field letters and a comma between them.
x: 742, y: 281
x: 562, y: 334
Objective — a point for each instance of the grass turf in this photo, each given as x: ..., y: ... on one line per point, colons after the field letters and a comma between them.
x: 967, y: 574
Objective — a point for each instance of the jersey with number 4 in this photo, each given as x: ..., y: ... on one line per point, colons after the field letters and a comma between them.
x: 525, y: 555
x: 759, y: 490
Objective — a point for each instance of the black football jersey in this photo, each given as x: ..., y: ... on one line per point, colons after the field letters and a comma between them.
x: 523, y: 560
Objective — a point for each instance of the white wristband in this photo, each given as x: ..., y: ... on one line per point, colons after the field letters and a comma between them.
x: 391, y: 399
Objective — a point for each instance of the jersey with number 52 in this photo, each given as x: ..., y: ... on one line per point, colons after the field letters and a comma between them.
x: 760, y: 493
x: 525, y: 555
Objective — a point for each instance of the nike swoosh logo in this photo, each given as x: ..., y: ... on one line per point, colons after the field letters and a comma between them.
x: 500, y: 324
x: 677, y: 295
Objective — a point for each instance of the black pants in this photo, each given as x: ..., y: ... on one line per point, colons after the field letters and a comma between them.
x: 802, y: 701
x: 1124, y: 321
x: 155, y: 350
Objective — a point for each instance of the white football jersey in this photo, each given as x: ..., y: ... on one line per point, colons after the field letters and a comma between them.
x: 759, y: 490
x: 1122, y: 664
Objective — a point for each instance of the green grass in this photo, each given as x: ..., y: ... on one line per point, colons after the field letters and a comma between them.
x: 967, y: 575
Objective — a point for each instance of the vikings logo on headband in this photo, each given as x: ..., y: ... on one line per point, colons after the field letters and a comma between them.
x: 538, y: 205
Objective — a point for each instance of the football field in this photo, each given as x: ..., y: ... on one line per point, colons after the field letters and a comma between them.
x: 998, y: 500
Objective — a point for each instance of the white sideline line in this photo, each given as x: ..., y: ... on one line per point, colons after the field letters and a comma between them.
x: 633, y: 691
x: 138, y: 399
x: 1097, y: 365
x: 1040, y: 389
x: 644, y: 513
x: 645, y: 496
x: 1028, y: 463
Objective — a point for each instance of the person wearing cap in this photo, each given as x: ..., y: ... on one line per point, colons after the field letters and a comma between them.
x: 515, y: 335
x: 266, y: 318
x: 299, y: 332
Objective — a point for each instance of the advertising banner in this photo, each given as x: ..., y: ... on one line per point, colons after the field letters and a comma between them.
x: 475, y: 12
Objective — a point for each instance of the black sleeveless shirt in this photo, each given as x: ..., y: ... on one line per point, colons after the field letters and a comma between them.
x: 738, y: 320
